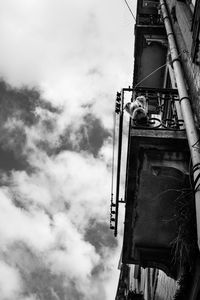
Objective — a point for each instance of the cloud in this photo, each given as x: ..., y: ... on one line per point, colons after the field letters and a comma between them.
x: 89, y: 135
x: 98, y: 235
x: 56, y: 203
x: 58, y: 46
x: 58, y: 181
x: 56, y: 154
x: 72, y: 248
x: 31, y: 227
x: 10, y: 281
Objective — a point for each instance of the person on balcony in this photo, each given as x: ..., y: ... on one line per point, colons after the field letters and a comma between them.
x: 138, y: 110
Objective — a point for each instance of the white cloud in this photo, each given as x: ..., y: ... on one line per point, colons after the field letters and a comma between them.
x: 60, y: 198
x: 76, y: 179
x: 72, y: 188
x: 10, y: 282
x: 32, y: 228
x: 57, y: 45
x: 75, y: 259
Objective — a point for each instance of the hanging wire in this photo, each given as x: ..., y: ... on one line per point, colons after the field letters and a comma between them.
x: 130, y: 10
x: 160, y: 67
x: 150, y: 74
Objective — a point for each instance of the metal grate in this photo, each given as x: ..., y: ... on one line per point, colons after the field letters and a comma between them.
x: 162, y: 109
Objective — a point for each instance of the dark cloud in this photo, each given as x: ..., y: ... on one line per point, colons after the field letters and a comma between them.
x: 93, y: 134
x: 10, y: 160
x: 37, y: 278
x: 44, y: 284
x: 21, y: 103
x: 27, y: 126
x: 12, y: 143
x: 16, y: 103
x: 17, y: 112
x: 89, y: 136
x: 100, y: 236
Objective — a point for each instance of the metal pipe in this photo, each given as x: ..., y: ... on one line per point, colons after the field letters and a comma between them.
x: 191, y: 131
x: 119, y: 161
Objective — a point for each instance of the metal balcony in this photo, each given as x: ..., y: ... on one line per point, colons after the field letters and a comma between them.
x: 164, y: 125
x: 163, y: 109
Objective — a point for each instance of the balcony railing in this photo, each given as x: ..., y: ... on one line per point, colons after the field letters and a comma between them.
x: 150, y: 19
x: 163, y: 109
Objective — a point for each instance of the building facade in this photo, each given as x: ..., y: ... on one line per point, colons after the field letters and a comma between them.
x: 160, y: 254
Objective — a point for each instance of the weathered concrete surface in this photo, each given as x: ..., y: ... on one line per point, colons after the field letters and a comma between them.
x: 183, y: 33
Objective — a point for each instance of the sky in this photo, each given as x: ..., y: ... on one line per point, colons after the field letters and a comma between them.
x: 61, y: 64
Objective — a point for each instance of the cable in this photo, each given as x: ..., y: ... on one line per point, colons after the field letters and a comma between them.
x: 162, y: 66
x: 150, y: 74
x: 130, y: 10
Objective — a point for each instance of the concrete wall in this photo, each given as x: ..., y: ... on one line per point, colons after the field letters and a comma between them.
x: 181, y: 24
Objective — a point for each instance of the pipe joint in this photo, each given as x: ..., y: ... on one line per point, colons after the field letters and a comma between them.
x: 161, y: 4
x: 184, y: 98
x: 170, y: 33
x: 166, y: 17
x: 175, y: 59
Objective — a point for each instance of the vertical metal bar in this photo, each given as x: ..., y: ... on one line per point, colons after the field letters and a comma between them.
x: 119, y: 160
x: 191, y: 131
x: 148, y: 284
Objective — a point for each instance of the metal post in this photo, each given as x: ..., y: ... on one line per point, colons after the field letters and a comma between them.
x: 191, y: 131
x: 119, y: 161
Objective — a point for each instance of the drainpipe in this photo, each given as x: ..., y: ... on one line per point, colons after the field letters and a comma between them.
x: 191, y: 131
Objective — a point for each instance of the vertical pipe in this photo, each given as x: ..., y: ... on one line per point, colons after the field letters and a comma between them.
x: 119, y: 161
x: 191, y: 131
